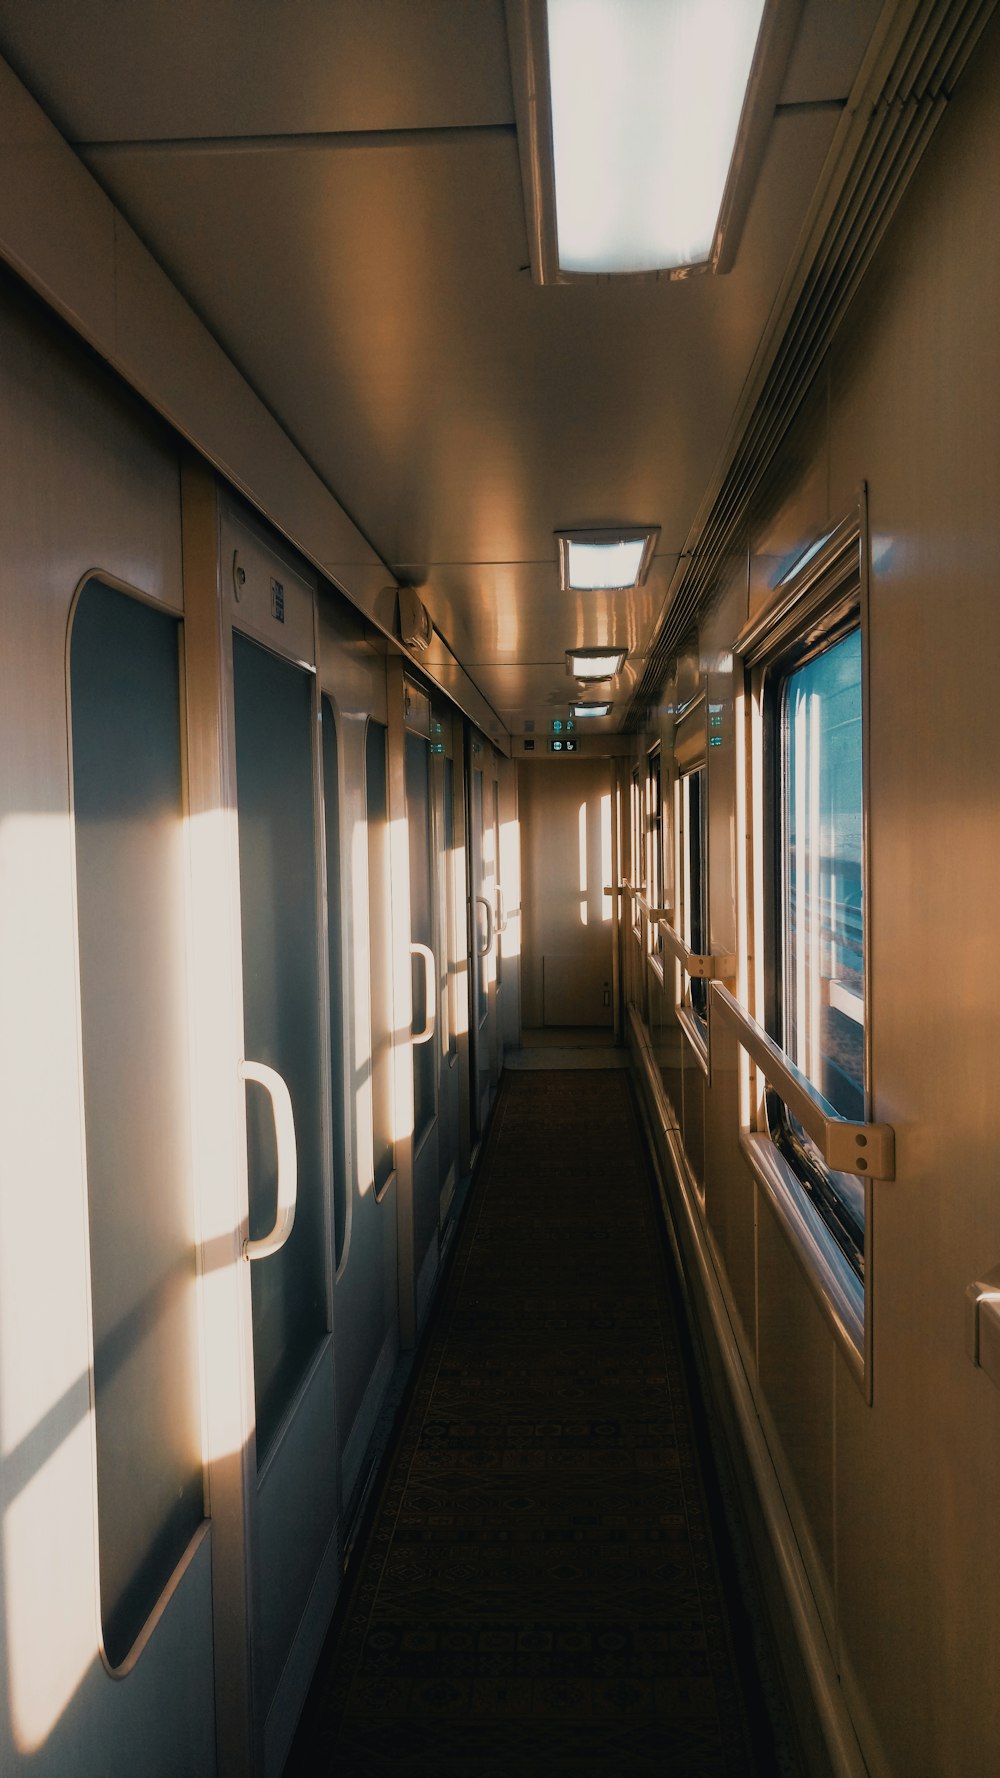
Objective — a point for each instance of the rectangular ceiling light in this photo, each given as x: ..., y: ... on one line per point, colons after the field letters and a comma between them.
x: 643, y: 122
x: 609, y: 559
x: 595, y: 663
x: 590, y: 709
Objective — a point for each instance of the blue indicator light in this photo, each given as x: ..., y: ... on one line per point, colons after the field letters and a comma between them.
x: 557, y: 727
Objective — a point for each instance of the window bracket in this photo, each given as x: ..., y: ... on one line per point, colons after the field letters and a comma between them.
x: 704, y: 966
x: 868, y: 1150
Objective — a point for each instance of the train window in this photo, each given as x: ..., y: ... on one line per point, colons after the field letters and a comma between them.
x: 128, y: 819
x: 379, y: 952
x: 638, y: 833
x: 814, y: 713
x: 335, y: 954
x: 694, y: 880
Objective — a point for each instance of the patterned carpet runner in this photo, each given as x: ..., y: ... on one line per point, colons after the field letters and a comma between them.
x: 540, y: 1593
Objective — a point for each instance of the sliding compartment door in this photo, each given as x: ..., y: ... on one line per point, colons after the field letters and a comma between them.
x: 294, y: 1519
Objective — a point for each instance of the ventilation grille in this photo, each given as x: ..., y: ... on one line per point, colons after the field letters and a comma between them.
x: 925, y: 54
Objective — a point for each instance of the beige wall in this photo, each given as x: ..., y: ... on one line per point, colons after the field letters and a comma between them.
x: 565, y: 808
x: 893, y: 1501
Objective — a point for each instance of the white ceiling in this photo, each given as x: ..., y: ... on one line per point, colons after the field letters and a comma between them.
x: 334, y: 185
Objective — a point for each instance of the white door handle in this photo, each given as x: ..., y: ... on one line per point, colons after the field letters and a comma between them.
x: 288, y: 1166
x: 488, y: 946
x: 430, y: 992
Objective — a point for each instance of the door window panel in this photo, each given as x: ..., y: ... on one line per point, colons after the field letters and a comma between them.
x: 335, y: 968
x: 128, y: 819
x: 448, y: 908
x: 418, y: 810
x: 379, y: 951
x: 277, y: 847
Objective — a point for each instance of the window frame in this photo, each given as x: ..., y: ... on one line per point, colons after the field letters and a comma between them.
x: 821, y: 599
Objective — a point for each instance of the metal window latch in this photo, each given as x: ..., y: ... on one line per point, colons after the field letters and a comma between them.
x: 982, y: 1324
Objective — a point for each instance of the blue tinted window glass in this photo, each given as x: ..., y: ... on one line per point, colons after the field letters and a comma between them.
x: 822, y: 951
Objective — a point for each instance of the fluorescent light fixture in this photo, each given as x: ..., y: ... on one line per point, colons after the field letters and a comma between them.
x: 641, y: 124
x: 595, y: 663
x: 590, y: 709
x: 611, y: 558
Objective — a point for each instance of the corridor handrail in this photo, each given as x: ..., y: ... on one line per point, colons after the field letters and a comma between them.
x: 846, y: 1147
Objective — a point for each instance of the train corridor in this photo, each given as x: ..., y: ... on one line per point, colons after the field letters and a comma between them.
x: 546, y: 1585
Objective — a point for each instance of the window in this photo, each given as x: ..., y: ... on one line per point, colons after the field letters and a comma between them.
x: 813, y: 705
x: 654, y: 803
x: 694, y: 870
x: 638, y: 850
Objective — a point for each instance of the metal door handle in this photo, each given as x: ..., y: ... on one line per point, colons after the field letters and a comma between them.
x: 430, y: 992
x: 288, y: 1165
x: 488, y: 946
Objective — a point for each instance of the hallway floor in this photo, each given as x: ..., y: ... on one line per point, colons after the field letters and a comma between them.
x: 541, y: 1587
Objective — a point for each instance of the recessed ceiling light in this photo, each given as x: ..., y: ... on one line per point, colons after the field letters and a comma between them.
x: 609, y: 559
x: 641, y: 124
x: 590, y: 709
x: 595, y: 663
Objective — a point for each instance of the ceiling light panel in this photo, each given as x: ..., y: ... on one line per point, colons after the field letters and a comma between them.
x: 590, y: 709
x: 595, y: 663
x: 646, y: 102
x: 605, y: 560
x: 641, y: 127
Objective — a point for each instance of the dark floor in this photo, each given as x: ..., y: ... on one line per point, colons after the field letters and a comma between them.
x: 540, y: 1591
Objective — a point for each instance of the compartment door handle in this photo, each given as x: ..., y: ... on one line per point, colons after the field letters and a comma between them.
x: 484, y: 902
x: 288, y: 1165
x: 430, y: 991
